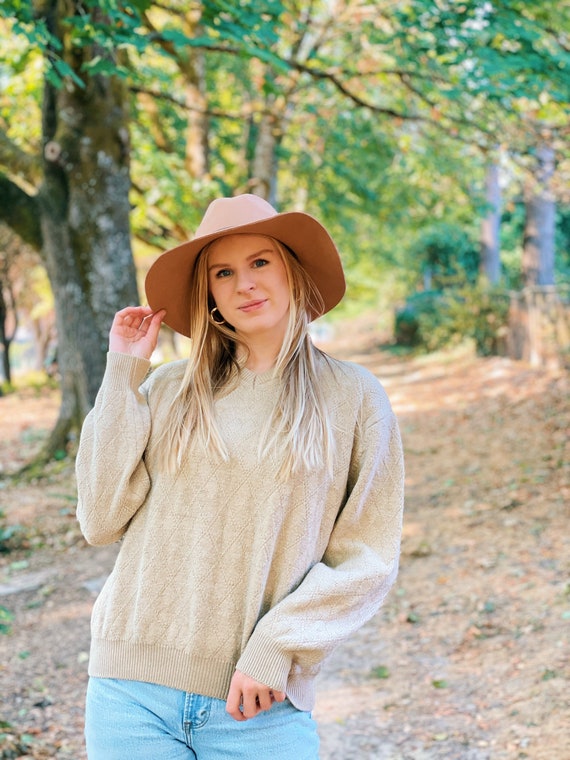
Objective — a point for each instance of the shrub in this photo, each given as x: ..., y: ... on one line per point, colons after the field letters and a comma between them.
x: 434, y: 320
x: 408, y: 317
x: 447, y: 252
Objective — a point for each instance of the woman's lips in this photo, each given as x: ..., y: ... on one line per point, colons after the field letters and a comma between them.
x: 252, y: 305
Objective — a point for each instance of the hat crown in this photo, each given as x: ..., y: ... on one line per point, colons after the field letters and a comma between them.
x: 224, y: 213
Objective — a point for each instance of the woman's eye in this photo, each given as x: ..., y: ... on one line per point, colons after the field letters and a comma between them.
x: 223, y: 273
x: 260, y: 263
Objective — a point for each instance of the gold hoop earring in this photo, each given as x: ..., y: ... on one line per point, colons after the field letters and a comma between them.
x: 215, y: 321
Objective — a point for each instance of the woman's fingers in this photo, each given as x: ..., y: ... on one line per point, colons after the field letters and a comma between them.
x: 151, y: 326
x: 248, y: 697
x: 135, y: 331
x: 234, y: 701
x: 131, y: 314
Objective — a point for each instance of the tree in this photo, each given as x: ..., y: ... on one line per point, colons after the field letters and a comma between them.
x: 7, y: 311
x: 78, y: 216
x: 490, y: 261
x: 539, y: 231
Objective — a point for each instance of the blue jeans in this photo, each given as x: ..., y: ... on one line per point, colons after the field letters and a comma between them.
x: 130, y: 720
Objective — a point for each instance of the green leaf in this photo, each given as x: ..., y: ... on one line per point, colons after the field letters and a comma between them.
x: 104, y: 66
x: 6, y: 618
x: 63, y: 70
x: 141, y: 5
x: 381, y: 671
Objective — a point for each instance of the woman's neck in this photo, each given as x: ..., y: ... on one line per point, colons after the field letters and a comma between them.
x: 259, y: 356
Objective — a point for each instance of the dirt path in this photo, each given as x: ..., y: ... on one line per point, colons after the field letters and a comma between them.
x: 469, y: 659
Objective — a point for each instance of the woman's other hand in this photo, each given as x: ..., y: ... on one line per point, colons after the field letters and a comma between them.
x: 135, y: 331
x: 247, y: 697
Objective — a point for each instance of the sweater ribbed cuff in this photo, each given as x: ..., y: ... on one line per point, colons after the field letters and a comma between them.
x: 125, y: 371
x: 263, y: 661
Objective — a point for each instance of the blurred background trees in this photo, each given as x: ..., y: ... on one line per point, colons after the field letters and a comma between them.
x: 431, y: 138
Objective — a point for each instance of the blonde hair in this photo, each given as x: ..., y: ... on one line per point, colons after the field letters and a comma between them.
x: 299, y: 428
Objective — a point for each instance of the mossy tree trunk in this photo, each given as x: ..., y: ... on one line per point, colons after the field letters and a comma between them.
x: 84, y: 212
x: 79, y: 219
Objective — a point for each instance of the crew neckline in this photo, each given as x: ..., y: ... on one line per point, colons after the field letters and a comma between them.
x: 257, y: 378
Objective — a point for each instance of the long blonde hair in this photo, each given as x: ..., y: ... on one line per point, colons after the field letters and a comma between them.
x: 299, y: 428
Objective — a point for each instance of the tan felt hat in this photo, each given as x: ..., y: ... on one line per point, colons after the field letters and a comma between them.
x: 168, y: 279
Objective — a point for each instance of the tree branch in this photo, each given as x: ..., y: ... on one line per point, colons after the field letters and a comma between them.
x: 20, y: 212
x: 335, y: 79
x: 182, y: 104
x: 17, y: 161
x: 213, y: 112
x: 358, y: 100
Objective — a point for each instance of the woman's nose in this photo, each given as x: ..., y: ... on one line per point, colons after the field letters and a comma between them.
x: 245, y: 281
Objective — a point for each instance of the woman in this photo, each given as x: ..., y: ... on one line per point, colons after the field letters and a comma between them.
x: 257, y: 488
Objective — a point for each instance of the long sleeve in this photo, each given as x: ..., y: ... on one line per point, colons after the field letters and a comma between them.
x: 347, y: 587
x: 112, y: 479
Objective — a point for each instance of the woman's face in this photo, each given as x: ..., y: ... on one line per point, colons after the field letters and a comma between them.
x: 248, y: 281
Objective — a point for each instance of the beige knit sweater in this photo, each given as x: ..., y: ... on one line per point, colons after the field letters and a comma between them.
x: 223, y: 565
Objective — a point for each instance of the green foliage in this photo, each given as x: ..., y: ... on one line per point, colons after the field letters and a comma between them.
x: 448, y: 252
x: 417, y: 308
x: 498, y: 52
x: 438, y: 319
x: 563, y: 243
x: 253, y: 30
x: 112, y: 25
x: 6, y: 388
x: 512, y: 235
x: 381, y: 671
x: 6, y: 618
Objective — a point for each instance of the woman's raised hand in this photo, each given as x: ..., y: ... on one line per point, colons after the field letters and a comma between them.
x: 135, y: 331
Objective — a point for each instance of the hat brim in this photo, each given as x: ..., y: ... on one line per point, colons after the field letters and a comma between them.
x: 167, y: 283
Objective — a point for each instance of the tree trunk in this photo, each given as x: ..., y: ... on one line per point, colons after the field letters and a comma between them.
x: 490, y: 266
x: 538, y: 252
x: 268, y: 134
x: 197, y: 150
x: 263, y: 180
x: 84, y: 215
x: 5, y: 340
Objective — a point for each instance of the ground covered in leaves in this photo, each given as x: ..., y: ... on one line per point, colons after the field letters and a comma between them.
x: 468, y: 660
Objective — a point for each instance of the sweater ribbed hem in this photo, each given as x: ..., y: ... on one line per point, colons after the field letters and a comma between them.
x: 162, y: 665
x: 179, y: 670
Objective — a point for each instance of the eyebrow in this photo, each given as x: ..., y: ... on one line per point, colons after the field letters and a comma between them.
x: 249, y: 258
